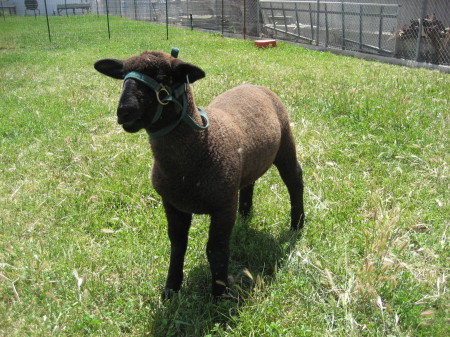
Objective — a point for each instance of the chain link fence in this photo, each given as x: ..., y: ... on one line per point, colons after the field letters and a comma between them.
x: 364, y: 27
x: 417, y: 30
x: 225, y: 16
x: 411, y: 29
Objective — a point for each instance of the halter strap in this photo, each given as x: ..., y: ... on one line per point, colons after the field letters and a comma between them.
x: 172, y: 95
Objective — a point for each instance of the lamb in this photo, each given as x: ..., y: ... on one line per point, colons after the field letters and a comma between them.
x: 205, y: 161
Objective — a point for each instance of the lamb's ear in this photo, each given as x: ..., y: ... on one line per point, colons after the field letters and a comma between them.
x: 181, y: 69
x: 110, y: 67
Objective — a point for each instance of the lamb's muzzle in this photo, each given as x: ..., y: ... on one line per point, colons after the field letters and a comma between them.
x: 200, y: 169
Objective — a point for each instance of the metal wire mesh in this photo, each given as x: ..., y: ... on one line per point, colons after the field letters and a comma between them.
x: 354, y: 26
x: 225, y: 16
x: 423, y: 32
x: 411, y: 29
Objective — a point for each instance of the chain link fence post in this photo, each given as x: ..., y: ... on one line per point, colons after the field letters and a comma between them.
x: 423, y: 13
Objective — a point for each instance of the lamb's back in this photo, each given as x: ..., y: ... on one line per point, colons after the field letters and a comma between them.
x: 254, y: 118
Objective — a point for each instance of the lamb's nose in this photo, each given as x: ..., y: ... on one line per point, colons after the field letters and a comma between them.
x: 128, y: 107
x: 125, y: 113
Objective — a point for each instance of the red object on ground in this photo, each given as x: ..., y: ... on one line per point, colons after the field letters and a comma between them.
x: 265, y: 43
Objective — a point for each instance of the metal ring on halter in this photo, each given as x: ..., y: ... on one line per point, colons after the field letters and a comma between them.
x: 157, y: 96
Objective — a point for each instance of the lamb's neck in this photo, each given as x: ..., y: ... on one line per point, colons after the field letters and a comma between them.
x: 183, y: 144
x: 178, y: 155
x: 192, y: 107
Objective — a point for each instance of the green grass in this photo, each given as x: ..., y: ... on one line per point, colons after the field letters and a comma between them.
x: 83, y: 245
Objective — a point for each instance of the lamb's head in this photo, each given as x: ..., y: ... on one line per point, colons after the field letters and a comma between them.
x: 149, y: 80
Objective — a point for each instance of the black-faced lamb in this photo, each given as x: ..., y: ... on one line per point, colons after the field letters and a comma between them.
x: 205, y: 161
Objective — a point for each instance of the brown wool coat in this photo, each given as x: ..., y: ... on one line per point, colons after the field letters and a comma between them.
x: 210, y: 171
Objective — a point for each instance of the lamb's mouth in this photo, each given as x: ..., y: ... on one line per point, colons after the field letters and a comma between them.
x: 132, y: 126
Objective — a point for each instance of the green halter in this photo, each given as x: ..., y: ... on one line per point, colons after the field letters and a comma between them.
x: 171, y: 95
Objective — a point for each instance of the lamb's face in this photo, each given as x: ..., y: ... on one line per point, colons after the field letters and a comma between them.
x: 134, y: 111
x: 138, y: 102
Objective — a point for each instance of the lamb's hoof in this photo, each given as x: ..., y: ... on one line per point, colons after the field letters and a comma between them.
x: 245, y: 213
x: 226, y: 296
x: 297, y: 226
x: 220, y: 291
x: 168, y: 294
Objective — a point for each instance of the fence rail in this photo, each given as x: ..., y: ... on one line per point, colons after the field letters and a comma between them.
x: 357, y: 26
x: 410, y: 29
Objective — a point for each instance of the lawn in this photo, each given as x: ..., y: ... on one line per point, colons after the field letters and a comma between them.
x: 83, y: 244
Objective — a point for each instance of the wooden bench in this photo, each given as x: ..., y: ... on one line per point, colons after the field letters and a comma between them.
x: 73, y: 7
x: 11, y: 7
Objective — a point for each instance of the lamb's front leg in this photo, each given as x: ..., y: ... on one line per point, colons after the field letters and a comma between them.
x: 217, y: 249
x: 178, y: 228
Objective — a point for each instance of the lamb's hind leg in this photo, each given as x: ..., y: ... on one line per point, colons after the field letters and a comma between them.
x: 292, y: 175
x: 246, y: 200
x: 178, y: 228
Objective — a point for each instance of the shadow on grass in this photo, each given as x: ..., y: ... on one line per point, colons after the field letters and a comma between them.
x: 255, y: 258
